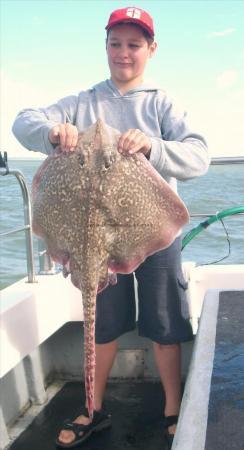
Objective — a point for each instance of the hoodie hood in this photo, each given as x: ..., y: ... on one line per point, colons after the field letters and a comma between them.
x: 109, y: 89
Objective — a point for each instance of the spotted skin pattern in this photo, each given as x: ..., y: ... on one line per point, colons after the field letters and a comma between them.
x: 102, y: 213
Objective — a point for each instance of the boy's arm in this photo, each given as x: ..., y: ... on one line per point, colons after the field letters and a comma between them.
x: 180, y: 153
x: 31, y: 126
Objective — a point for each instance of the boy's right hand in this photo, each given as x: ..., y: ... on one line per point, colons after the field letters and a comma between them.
x: 65, y: 135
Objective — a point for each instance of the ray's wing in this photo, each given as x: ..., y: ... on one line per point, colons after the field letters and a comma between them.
x: 142, y: 213
x: 58, y: 200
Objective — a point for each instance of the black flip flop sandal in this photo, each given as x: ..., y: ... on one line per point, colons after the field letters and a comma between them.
x: 101, y: 421
x: 169, y: 437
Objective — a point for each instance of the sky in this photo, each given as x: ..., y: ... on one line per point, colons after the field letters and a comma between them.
x: 53, y: 48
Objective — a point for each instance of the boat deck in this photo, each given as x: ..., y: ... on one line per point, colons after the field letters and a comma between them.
x: 136, y: 409
x: 136, y: 406
x: 226, y: 402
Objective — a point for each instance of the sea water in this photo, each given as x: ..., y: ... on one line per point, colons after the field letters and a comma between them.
x: 221, y: 188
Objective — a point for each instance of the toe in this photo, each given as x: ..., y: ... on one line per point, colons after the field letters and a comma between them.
x: 172, y: 429
x: 66, y: 437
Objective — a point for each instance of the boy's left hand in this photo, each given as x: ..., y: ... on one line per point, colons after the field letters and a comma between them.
x: 133, y: 141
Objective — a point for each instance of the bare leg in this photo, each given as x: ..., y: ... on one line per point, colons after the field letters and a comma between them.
x: 105, y: 354
x: 168, y: 361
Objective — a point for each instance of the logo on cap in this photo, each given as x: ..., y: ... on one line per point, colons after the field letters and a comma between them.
x: 135, y: 15
x: 133, y: 12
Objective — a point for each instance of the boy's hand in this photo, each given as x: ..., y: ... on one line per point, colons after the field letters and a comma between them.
x: 133, y: 141
x: 64, y: 134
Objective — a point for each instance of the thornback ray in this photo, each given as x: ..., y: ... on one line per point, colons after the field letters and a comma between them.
x: 101, y: 213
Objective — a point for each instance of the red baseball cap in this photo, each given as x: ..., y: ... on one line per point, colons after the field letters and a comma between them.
x: 131, y: 14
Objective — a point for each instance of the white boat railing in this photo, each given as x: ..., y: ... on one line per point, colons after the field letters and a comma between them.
x: 227, y: 160
x: 46, y: 264
x: 4, y: 171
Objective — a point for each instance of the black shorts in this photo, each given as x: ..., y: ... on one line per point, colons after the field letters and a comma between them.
x: 162, y: 306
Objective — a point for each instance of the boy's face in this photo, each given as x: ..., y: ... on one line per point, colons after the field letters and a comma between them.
x: 128, y: 51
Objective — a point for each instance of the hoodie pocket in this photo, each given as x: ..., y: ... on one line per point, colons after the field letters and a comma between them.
x: 182, y: 288
x: 182, y: 282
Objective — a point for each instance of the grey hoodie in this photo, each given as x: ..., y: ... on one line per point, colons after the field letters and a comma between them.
x: 177, y: 152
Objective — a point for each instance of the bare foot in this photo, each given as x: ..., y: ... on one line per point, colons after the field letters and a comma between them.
x: 172, y: 429
x: 67, y: 436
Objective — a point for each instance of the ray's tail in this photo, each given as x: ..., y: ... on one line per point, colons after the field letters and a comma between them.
x: 89, y: 294
x: 89, y: 332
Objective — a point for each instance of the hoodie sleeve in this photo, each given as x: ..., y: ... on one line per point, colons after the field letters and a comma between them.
x: 31, y: 126
x: 180, y: 153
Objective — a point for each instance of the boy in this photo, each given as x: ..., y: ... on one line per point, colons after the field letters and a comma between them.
x: 149, y: 123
